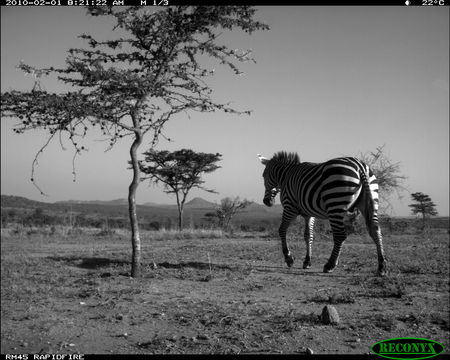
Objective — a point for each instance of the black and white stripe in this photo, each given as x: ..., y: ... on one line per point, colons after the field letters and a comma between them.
x: 331, y: 190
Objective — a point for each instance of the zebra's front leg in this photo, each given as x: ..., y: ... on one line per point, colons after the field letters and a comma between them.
x: 285, y: 221
x: 309, y: 236
x: 339, y: 236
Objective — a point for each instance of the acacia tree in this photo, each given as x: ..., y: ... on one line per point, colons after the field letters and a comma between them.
x: 228, y: 208
x: 424, y: 205
x: 132, y: 85
x: 389, y: 178
x: 179, y: 171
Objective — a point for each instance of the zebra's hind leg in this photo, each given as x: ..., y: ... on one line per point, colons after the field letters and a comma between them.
x: 339, y: 236
x: 375, y: 233
x: 368, y: 204
x: 373, y: 227
x: 309, y: 236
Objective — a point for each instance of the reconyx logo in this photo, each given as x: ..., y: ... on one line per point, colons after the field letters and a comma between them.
x: 407, y: 348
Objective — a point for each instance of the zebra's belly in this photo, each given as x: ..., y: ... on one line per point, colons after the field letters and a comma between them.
x: 342, y: 201
x: 316, y: 212
x: 321, y: 208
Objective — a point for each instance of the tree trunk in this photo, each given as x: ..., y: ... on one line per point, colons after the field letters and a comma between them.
x: 227, y: 222
x: 180, y: 205
x: 135, y: 239
x: 180, y: 218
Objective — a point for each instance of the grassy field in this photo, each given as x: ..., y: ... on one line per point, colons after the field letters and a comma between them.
x: 213, y: 293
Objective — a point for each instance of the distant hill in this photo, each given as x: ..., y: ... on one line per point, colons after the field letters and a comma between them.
x: 116, y: 202
x: 195, y: 203
x: 256, y: 207
x: 199, y: 203
x: 20, y: 202
x: 261, y: 209
x: 95, y: 213
x: 150, y: 204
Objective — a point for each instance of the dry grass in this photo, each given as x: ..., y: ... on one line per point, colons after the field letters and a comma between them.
x: 215, y: 294
x: 172, y: 234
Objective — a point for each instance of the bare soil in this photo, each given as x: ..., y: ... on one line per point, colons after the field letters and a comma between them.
x: 73, y: 294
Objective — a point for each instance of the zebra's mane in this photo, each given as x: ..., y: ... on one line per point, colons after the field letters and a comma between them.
x: 285, y: 157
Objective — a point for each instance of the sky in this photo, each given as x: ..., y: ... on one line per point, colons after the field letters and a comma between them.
x: 328, y: 82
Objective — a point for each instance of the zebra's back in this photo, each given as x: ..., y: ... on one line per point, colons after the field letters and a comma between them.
x: 323, y: 190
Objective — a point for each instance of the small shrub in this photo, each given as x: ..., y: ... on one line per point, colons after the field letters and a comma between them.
x: 290, y: 320
x: 412, y: 319
x: 165, y: 234
x: 335, y: 298
x: 319, y: 298
x: 385, y: 322
x: 74, y: 231
x: 347, y: 298
x: 32, y: 232
x: 441, y: 320
x: 40, y: 231
x: 400, y: 226
x: 154, y: 225
x: 411, y: 269
x: 386, y: 287
x: 106, y: 232
x: 18, y: 230
x: 39, y: 218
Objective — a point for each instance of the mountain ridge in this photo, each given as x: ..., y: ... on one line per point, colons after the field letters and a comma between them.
x: 200, y: 203
x: 20, y: 201
x: 114, y: 202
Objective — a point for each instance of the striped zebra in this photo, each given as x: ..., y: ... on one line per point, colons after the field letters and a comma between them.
x: 332, y: 190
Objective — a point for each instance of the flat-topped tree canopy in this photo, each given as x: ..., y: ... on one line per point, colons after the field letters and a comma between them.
x: 152, y: 73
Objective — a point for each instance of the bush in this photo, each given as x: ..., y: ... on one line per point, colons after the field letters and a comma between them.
x: 75, y: 231
x: 106, y: 232
x: 168, y: 234
x: 39, y: 218
x: 400, y: 226
x: 154, y: 225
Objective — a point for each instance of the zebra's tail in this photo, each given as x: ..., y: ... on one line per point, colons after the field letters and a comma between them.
x: 370, y: 206
x: 370, y: 195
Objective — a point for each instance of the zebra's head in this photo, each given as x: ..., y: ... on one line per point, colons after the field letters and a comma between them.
x: 270, y: 183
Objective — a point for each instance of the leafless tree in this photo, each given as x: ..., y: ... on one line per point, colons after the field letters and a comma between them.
x: 228, y: 208
x: 388, y: 174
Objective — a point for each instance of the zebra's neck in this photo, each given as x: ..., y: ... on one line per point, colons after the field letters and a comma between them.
x: 281, y: 172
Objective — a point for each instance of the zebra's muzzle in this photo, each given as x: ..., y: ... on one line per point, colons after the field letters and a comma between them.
x: 269, y: 201
x: 269, y: 197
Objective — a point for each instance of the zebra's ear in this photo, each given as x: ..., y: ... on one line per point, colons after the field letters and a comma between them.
x: 263, y: 160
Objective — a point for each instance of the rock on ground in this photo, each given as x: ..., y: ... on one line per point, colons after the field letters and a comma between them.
x: 330, y: 315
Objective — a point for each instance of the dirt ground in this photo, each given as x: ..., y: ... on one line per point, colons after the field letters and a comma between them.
x: 73, y: 294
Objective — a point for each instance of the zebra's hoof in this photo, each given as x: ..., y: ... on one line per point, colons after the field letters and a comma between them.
x: 306, y: 264
x: 382, y: 271
x: 328, y: 268
x: 289, y: 260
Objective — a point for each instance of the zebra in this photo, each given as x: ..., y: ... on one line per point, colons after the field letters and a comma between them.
x: 333, y: 190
